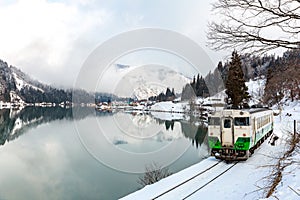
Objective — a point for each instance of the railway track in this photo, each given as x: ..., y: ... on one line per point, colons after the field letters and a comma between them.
x: 208, y: 182
x: 197, y: 182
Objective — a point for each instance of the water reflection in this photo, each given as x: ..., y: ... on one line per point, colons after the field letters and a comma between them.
x: 14, y: 123
x: 135, y: 132
x: 49, y: 162
x: 192, y: 128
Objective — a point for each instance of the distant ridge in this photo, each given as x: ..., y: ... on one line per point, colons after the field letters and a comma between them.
x: 18, y: 87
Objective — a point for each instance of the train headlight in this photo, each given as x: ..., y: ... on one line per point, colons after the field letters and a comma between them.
x: 241, y: 145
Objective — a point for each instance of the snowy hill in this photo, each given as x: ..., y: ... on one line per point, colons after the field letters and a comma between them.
x: 22, y: 80
x: 18, y: 87
x: 149, y: 80
x: 256, y: 90
x: 144, y: 90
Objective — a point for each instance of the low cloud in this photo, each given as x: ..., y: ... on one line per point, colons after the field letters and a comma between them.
x: 39, y: 36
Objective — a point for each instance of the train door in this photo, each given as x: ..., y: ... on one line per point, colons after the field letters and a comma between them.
x: 227, y: 132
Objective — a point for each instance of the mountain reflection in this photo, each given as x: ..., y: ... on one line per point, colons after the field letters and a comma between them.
x: 14, y: 123
x: 191, y: 127
x: 197, y: 133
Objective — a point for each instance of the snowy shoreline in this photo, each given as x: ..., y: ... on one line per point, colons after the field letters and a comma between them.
x: 249, y: 179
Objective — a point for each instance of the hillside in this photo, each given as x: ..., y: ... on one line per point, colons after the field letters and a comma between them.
x: 281, y: 74
x: 18, y: 87
x: 147, y: 81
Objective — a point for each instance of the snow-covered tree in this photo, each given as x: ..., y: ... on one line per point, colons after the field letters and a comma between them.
x: 236, y: 89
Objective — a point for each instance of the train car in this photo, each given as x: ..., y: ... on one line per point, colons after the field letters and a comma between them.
x: 235, y: 134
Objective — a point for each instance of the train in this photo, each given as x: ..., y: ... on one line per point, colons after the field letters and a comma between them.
x: 234, y: 134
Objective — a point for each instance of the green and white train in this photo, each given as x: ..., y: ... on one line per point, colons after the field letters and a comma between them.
x: 235, y: 134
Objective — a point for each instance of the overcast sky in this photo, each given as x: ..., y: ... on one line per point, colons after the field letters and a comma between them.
x: 50, y: 39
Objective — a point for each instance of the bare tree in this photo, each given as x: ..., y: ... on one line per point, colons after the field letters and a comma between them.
x: 154, y: 173
x: 255, y: 26
x: 283, y: 79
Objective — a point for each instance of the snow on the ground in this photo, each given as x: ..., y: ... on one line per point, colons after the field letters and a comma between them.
x: 20, y: 83
x: 169, y: 106
x: 256, y: 90
x: 144, y: 91
x: 238, y: 183
x: 15, y: 98
x: 218, y: 98
x: 246, y: 180
x: 289, y: 187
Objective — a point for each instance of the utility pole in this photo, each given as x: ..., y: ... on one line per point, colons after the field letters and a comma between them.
x: 295, y: 127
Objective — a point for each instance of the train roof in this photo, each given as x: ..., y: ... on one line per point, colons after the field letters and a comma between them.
x: 255, y: 110
x: 236, y: 111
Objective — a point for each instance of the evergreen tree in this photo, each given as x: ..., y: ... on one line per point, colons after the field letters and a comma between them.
x: 170, y: 96
x: 187, y: 92
x: 236, y: 89
x: 204, y: 92
x: 168, y: 93
x: 161, y: 97
x: 173, y: 92
x: 220, y: 66
x: 198, y: 87
x: 193, y: 84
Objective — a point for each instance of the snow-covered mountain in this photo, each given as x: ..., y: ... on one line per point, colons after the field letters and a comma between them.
x: 22, y: 80
x: 150, y: 80
x: 18, y: 87
x: 145, y: 91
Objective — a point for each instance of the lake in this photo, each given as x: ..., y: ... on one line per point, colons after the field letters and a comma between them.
x: 80, y: 153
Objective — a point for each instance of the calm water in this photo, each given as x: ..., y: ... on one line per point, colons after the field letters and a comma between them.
x: 50, y: 153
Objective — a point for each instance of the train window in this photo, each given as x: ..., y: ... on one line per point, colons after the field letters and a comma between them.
x: 241, y: 121
x: 214, y: 121
x: 227, y: 123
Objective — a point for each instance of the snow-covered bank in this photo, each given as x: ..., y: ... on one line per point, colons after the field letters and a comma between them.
x: 247, y: 180
x: 289, y: 186
x: 169, y: 106
x: 168, y: 115
x: 241, y: 182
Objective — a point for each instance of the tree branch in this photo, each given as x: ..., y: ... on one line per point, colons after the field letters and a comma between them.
x: 245, y: 23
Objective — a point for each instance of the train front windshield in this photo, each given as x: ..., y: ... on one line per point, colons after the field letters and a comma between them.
x: 241, y: 121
